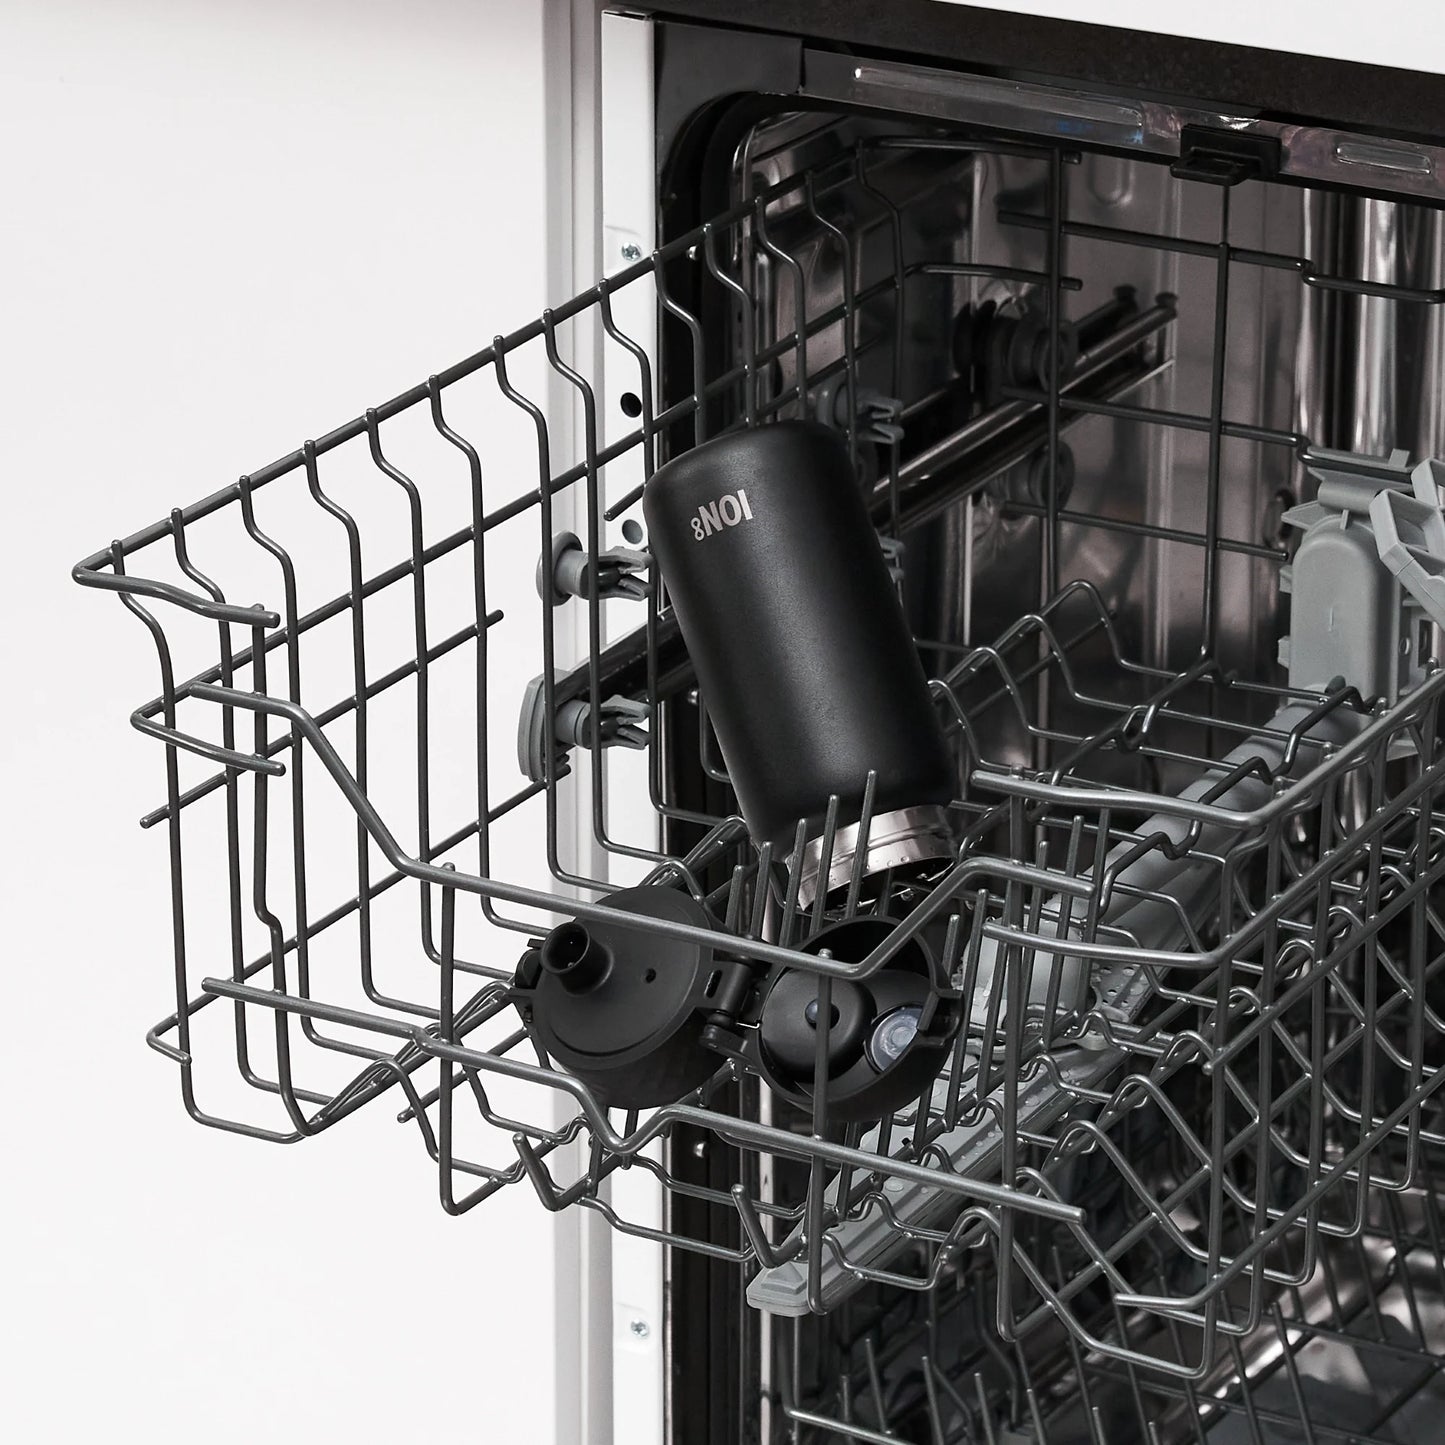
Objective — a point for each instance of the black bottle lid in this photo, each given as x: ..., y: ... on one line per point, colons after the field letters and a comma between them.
x: 620, y: 1007
x: 888, y: 1036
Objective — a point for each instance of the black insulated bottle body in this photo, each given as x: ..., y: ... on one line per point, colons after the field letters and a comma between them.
x: 804, y: 658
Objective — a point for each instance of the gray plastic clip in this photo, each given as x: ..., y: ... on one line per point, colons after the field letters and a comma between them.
x: 892, y: 549
x: 1368, y: 566
x: 876, y: 414
x: 1416, y: 557
x: 621, y: 572
x: 623, y: 724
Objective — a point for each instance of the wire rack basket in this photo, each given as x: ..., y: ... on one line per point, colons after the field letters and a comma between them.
x: 1349, y: 1351
x: 1183, y: 898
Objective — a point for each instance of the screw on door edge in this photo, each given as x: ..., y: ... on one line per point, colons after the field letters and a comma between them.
x: 640, y: 1328
x: 632, y: 252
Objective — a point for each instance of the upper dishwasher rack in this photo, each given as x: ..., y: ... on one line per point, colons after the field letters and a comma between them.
x: 345, y: 746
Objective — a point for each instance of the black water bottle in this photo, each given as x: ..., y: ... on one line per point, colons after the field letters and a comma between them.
x: 801, y: 649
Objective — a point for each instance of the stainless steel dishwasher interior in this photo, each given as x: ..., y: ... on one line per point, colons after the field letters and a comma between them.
x: 1334, y: 370
x: 1344, y: 1354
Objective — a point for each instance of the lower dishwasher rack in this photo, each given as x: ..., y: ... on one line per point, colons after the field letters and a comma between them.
x: 1351, y: 1352
x: 1188, y: 1160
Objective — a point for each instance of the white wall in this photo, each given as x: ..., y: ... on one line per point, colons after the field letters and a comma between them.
x: 223, y: 228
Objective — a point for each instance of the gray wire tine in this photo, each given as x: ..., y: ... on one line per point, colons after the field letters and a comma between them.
x: 1291, y: 1368
x: 789, y: 917
x: 647, y: 428
x: 799, y: 334
x: 358, y: 700
x: 985, y: 1409
x: 825, y: 863
x: 747, y: 322
x: 875, y: 1382
x: 423, y: 672
x: 550, y: 767
x: 850, y: 319
x: 761, y: 876
x: 260, y: 905
x: 860, y: 848
x: 823, y: 1028
x: 232, y: 790
x: 704, y: 747
x: 935, y: 1417
x: 482, y: 624
x: 593, y: 494
x: 900, y: 327
x: 694, y: 330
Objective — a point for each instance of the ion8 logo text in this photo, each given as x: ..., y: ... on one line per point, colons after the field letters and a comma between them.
x: 729, y: 509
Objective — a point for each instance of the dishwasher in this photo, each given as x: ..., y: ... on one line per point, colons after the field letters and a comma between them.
x: 1141, y: 399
